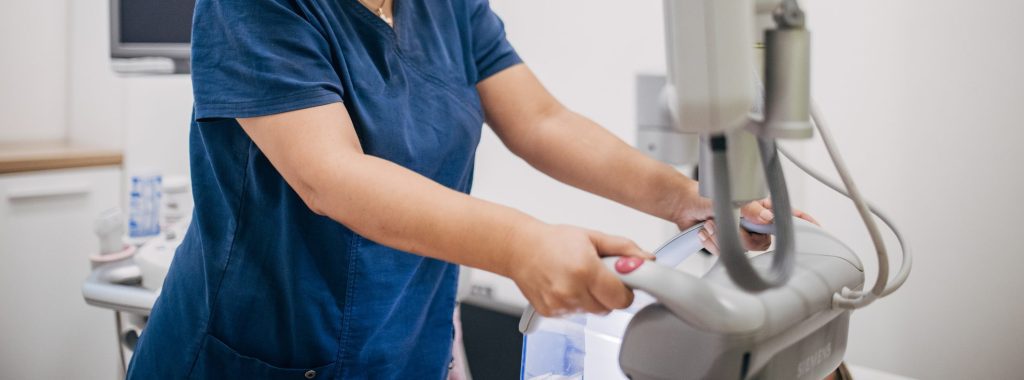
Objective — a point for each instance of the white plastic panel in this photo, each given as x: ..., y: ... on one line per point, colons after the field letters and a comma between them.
x: 711, y: 62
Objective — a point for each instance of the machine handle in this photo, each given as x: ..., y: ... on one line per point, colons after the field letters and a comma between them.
x: 530, y: 321
x: 104, y: 289
x: 669, y: 255
x: 764, y: 229
x: 707, y: 306
x: 673, y: 252
x: 65, y: 190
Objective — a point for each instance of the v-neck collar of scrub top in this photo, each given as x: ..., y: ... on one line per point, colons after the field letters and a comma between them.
x: 391, y: 31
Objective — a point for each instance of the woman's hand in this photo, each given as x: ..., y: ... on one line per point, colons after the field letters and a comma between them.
x: 559, y: 269
x: 759, y: 212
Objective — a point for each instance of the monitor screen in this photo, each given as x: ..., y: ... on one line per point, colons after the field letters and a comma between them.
x: 155, y: 21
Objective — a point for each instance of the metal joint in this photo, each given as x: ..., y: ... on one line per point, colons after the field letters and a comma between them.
x: 789, y: 15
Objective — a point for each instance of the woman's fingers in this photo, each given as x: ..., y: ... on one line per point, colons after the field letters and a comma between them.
x: 707, y: 236
x: 605, y: 288
x: 610, y: 291
x: 805, y: 216
x: 758, y: 212
x: 563, y: 272
x: 556, y: 304
x: 589, y: 303
x: 752, y: 241
x: 610, y: 245
x: 767, y: 204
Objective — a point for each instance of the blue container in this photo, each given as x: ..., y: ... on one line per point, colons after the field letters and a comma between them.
x: 581, y: 346
x: 144, y: 206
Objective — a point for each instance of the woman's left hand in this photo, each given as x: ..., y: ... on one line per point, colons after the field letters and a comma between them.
x: 758, y: 212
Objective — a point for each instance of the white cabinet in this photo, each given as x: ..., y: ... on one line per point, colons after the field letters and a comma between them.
x: 46, y: 329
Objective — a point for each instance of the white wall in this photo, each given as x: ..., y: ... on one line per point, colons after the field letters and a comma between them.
x: 147, y: 116
x: 923, y: 97
x: 97, y: 96
x: 587, y: 54
x: 33, y: 81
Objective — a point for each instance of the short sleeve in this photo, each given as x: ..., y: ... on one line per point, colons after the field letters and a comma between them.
x: 491, y: 50
x: 258, y: 57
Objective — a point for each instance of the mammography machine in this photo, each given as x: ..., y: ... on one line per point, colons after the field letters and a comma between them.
x: 781, y: 315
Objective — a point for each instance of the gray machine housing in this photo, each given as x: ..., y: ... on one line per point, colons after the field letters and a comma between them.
x: 711, y: 329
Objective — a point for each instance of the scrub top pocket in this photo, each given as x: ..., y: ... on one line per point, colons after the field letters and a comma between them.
x: 218, y: 361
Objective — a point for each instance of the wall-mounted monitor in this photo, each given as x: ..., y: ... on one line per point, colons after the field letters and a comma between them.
x: 160, y: 29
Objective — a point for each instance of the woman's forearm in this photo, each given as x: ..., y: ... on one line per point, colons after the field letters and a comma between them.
x: 396, y: 207
x: 578, y: 152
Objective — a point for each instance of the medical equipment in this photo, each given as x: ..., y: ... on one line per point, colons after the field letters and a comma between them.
x: 129, y: 283
x: 730, y: 320
x: 109, y: 227
x: 127, y: 277
x: 781, y: 315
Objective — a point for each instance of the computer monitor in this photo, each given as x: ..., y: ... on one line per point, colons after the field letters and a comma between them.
x: 152, y: 29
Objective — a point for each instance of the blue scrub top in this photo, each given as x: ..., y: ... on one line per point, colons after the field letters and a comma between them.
x: 263, y: 288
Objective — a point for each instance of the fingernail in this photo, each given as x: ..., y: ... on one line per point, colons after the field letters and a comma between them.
x: 710, y: 229
x: 767, y: 215
x: 703, y: 236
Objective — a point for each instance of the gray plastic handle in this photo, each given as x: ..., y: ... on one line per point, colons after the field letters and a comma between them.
x: 104, y: 288
x: 673, y: 252
x: 670, y: 254
x: 764, y: 229
x: 701, y: 303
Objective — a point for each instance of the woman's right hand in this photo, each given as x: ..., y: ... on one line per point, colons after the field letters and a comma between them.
x: 559, y: 269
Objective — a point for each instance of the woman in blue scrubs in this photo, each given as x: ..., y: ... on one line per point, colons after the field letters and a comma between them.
x: 332, y: 151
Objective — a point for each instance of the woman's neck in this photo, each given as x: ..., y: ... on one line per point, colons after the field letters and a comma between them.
x: 382, y: 8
